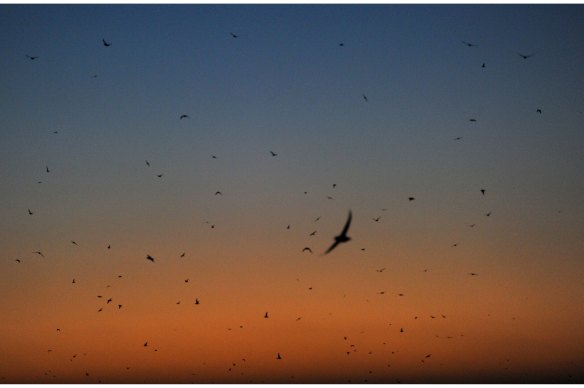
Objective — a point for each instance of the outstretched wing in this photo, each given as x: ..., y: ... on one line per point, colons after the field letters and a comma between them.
x: 332, y: 247
x: 346, y: 228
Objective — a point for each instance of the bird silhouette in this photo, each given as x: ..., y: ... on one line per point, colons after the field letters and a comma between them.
x: 74, y: 243
x: 411, y: 198
x: 17, y: 260
x: 148, y: 163
x: 538, y: 110
x: 472, y: 120
x: 307, y: 249
x: 30, y: 212
x: 106, y: 44
x: 183, y: 117
x: 183, y: 254
x: 109, y: 301
x: 273, y: 153
x: 233, y: 35
x: 119, y: 306
x: 145, y: 343
x: 483, y: 191
x: 488, y: 214
x: 278, y: 357
x: 197, y: 301
x: 109, y: 246
x: 342, y: 238
x: 483, y: 65
x: 266, y: 315
x: 341, y: 44
x: 365, y: 98
x: 313, y: 233
x: 159, y: 175
x: 73, y: 282
x: 47, y: 169
x: 524, y: 56
x: 458, y: 138
x: 32, y: 58
x: 39, y: 253
x: 218, y: 193
x: 376, y: 219
x: 380, y: 270
x: 473, y: 274
x: 469, y: 44
x: 148, y: 257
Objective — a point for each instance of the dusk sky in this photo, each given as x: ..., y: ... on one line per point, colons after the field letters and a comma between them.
x: 295, y: 115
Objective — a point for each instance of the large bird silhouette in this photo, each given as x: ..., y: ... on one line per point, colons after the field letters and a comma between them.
x: 341, y: 238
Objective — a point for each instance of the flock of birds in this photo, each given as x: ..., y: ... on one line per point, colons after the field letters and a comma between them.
x: 338, y: 240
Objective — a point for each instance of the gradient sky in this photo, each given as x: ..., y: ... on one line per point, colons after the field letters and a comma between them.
x: 286, y: 85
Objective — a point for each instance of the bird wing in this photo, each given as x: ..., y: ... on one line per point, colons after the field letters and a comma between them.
x: 346, y: 228
x: 332, y: 247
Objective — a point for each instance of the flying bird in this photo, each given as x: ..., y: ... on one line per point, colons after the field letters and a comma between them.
x: 488, y: 214
x: 109, y: 301
x: 148, y: 257
x: 145, y: 343
x: 483, y: 191
x: 47, y: 169
x: 278, y: 357
x: 380, y: 270
x: 473, y: 274
x: 483, y: 65
x: 341, y: 44
x: 109, y: 246
x: 538, y: 110
x: 273, y: 153
x: 148, y: 163
x: 106, y: 44
x: 39, y: 253
x: 233, y: 35
x: 183, y: 254
x: 365, y: 98
x: 160, y: 175
x: 74, y: 243
x: 218, y: 193
x: 197, y: 301
x: 184, y: 117
x: 119, y: 306
x: 313, y: 233
x: 73, y: 281
x: 458, y: 138
x: 266, y: 316
x: 472, y: 120
x: 30, y: 212
x: 341, y: 238
x: 525, y: 56
x: 470, y: 44
x: 376, y: 219
x: 32, y: 58
x: 307, y: 249
x: 411, y: 198
x: 17, y: 260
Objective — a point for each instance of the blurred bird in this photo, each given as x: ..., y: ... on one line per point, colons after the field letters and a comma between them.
x: 278, y: 357
x: 39, y: 253
x: 411, y: 198
x: 266, y: 315
x: 184, y: 117
x: 273, y: 153
x: 119, y: 306
x: 233, y: 35
x: 182, y: 254
x: 159, y: 175
x: 197, y: 301
x: 307, y: 249
x: 148, y: 257
x: 470, y: 44
x: 109, y: 301
x: 525, y: 56
x: 365, y: 98
x: 458, y: 138
x: 30, y: 212
x: 146, y: 343
x: 376, y: 219
x: 218, y: 193
x: 73, y: 281
x: 32, y: 58
x: 341, y: 44
x: 341, y: 238
x: 538, y: 110
x: 483, y: 191
x: 473, y: 274
x: 17, y: 260
x: 47, y: 169
x: 109, y: 246
x: 313, y: 233
x: 106, y: 44
x: 483, y: 65
x: 472, y: 120
x: 380, y: 270
x: 148, y: 163
x: 74, y: 243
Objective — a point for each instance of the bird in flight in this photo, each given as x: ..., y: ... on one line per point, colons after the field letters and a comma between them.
x: 341, y: 44
x: 74, y: 243
x: 341, y: 238
x: 411, y: 198
x: 376, y: 219
x: 483, y: 191
x: 266, y: 316
x: 273, y: 153
x: 524, y: 56
x: 30, y: 212
x: 148, y: 163
x: 39, y: 253
x: 278, y: 357
x: 473, y: 274
x: 32, y: 58
x: 183, y: 254
x: 488, y: 214
x: 148, y: 257
x: 365, y: 98
x: 184, y: 117
x: 472, y: 120
x: 197, y: 301
x: 469, y: 44
x: 313, y: 233
x: 109, y: 246
x: 483, y: 65
x: 307, y: 249
x: 17, y: 260
x: 159, y: 175
x: 218, y: 193
x: 47, y: 169
x: 538, y: 110
x: 380, y: 270
x: 458, y: 138
x: 106, y: 44
x: 233, y: 35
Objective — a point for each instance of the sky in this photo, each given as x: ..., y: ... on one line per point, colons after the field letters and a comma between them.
x: 296, y: 115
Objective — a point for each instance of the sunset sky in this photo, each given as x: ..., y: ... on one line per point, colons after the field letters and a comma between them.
x: 364, y: 107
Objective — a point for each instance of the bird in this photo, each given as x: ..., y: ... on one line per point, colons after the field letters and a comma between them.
x: 316, y: 219
x: 213, y: 156
x: 342, y: 238
x: 32, y: 58
x: 401, y: 330
x: 183, y: 116
x: 233, y: 35
x: 17, y: 260
x: 278, y: 357
x: 411, y: 198
x: 197, y: 301
x: 218, y: 193
x: 273, y: 153
x: 483, y: 65
x: 538, y: 110
x: 458, y: 138
x: 109, y: 246
x: 266, y: 315
x: 341, y: 44
x: 74, y: 243
x: 186, y: 280
x: 148, y: 163
x: 488, y: 214
x: 73, y: 281
x: 472, y: 120
x: 307, y: 249
x: 524, y: 56
x: 30, y: 212
x: 380, y: 270
x: 109, y: 301
x: 472, y: 225
x: 376, y: 219
x: 39, y: 253
x: 159, y: 175
x: 334, y: 185
x: 454, y: 245
x: 183, y: 254
x: 365, y: 98
x: 106, y: 44
x: 47, y: 169
x: 483, y: 191
x: 119, y: 306
x: 473, y: 274
x: 470, y: 44
x: 148, y: 257
x: 145, y: 343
